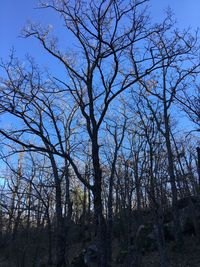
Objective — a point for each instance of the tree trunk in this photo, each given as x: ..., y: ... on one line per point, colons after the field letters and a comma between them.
x: 60, y: 229
x: 157, y: 214
x: 110, y: 209
x: 98, y: 208
x: 198, y: 166
x: 176, y: 217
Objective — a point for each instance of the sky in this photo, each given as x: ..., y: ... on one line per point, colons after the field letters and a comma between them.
x: 14, y: 15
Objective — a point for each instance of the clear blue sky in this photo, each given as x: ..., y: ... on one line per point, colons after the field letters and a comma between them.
x: 14, y: 14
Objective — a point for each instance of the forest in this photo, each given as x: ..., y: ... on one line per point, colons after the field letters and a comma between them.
x: 100, y: 160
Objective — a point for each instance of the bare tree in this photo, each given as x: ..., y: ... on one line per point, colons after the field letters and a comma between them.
x: 117, y: 48
x: 172, y: 78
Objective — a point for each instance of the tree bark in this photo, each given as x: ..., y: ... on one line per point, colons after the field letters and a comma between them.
x: 98, y: 208
x: 60, y: 233
x: 176, y: 217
